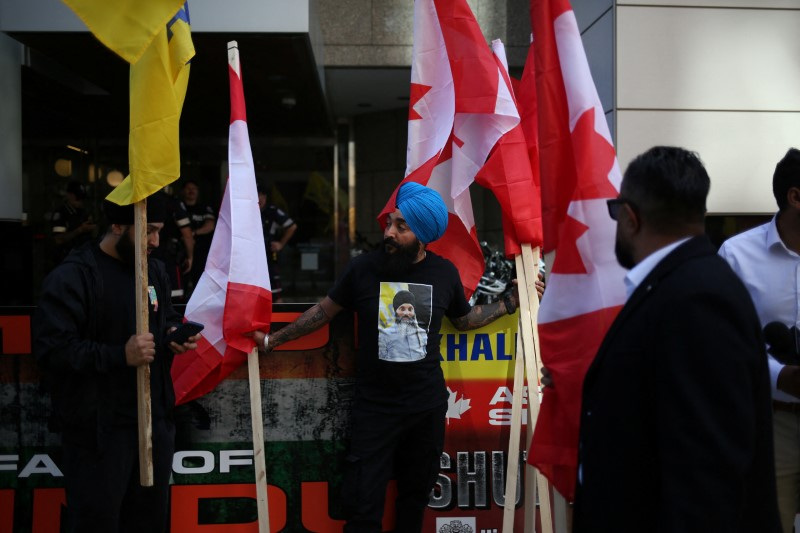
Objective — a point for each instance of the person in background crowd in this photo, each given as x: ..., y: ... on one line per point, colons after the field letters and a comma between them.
x: 203, y: 220
x: 278, y: 230
x: 767, y: 259
x: 398, y: 415
x: 177, y: 246
x: 71, y: 224
x: 676, y: 411
x: 85, y: 342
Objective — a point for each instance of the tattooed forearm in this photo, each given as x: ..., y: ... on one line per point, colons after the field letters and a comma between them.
x: 311, y: 320
x: 480, y: 315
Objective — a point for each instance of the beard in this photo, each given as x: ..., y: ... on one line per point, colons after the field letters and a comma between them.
x: 624, y: 254
x: 125, y: 248
x: 398, y: 258
x: 406, y: 320
x: 407, y: 327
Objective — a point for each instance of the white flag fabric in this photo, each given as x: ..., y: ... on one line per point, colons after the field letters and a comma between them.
x: 233, y: 295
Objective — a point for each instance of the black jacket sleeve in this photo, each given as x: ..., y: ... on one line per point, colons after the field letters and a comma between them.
x: 63, y: 326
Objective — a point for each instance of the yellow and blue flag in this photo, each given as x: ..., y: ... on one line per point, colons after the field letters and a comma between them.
x: 158, y: 87
x: 155, y: 37
x: 127, y: 27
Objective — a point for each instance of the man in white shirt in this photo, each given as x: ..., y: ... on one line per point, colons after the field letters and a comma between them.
x: 767, y: 259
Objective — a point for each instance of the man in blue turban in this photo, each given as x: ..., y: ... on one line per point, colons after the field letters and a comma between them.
x: 400, y: 405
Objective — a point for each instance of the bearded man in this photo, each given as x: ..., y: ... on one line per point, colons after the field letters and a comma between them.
x: 398, y: 416
x: 86, y: 344
x: 676, y: 425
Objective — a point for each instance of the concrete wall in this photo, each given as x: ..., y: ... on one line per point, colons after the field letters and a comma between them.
x: 716, y: 76
x: 206, y: 15
x: 379, y: 33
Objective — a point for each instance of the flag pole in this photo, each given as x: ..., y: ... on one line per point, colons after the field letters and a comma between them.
x: 253, y: 373
x: 259, y: 462
x: 512, y: 458
x: 144, y: 408
x: 529, y: 261
x: 527, y: 274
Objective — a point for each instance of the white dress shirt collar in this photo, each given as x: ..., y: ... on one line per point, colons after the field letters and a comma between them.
x: 637, y: 274
x: 774, y: 238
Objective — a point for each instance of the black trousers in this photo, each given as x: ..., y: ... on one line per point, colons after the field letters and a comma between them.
x: 102, y: 483
x: 407, y: 447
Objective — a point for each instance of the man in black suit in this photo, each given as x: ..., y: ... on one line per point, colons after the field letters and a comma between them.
x: 676, y: 416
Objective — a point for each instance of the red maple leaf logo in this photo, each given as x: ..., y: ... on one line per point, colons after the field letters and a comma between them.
x: 594, y: 159
x: 417, y: 92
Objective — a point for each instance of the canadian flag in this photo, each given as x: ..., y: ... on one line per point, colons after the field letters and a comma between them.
x: 233, y: 295
x: 585, y: 287
x: 513, y: 178
x: 460, y: 106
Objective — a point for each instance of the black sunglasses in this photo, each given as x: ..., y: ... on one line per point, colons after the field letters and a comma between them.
x: 615, y: 204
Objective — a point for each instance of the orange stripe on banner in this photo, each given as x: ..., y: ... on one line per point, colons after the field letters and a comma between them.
x: 312, y: 341
x: 16, y: 331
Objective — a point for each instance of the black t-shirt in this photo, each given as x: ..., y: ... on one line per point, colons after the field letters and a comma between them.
x: 117, y: 315
x: 392, y: 375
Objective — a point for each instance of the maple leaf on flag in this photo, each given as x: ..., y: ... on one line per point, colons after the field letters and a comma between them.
x: 456, y: 407
x: 418, y: 90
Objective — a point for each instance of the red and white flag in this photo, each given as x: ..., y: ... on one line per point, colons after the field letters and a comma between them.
x: 585, y: 287
x: 513, y: 178
x: 459, y: 107
x: 233, y: 295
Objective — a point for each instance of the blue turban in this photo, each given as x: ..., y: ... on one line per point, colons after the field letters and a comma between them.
x: 424, y: 211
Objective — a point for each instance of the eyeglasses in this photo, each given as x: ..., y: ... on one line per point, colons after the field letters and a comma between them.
x: 615, y: 204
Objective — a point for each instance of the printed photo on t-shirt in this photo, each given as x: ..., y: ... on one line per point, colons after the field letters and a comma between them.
x: 404, y: 318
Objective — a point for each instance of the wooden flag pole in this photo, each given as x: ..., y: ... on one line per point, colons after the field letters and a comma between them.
x: 144, y: 407
x: 531, y: 478
x: 258, y: 441
x: 528, y: 262
x: 512, y: 459
x: 528, y: 265
x: 527, y: 363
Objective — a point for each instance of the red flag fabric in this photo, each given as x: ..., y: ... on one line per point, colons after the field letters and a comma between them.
x: 460, y: 106
x: 233, y: 295
x: 585, y: 287
x: 515, y: 184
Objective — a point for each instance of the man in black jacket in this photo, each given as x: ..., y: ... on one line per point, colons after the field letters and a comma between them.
x: 676, y: 423
x: 86, y: 344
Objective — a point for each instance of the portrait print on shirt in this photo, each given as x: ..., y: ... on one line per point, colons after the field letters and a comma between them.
x: 404, y: 318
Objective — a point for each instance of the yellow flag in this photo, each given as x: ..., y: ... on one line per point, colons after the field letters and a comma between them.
x: 320, y: 192
x: 125, y: 26
x: 158, y: 88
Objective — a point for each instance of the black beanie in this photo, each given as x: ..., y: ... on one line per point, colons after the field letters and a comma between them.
x: 123, y: 214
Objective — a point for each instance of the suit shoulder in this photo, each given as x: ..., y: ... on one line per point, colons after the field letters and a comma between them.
x: 708, y: 274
